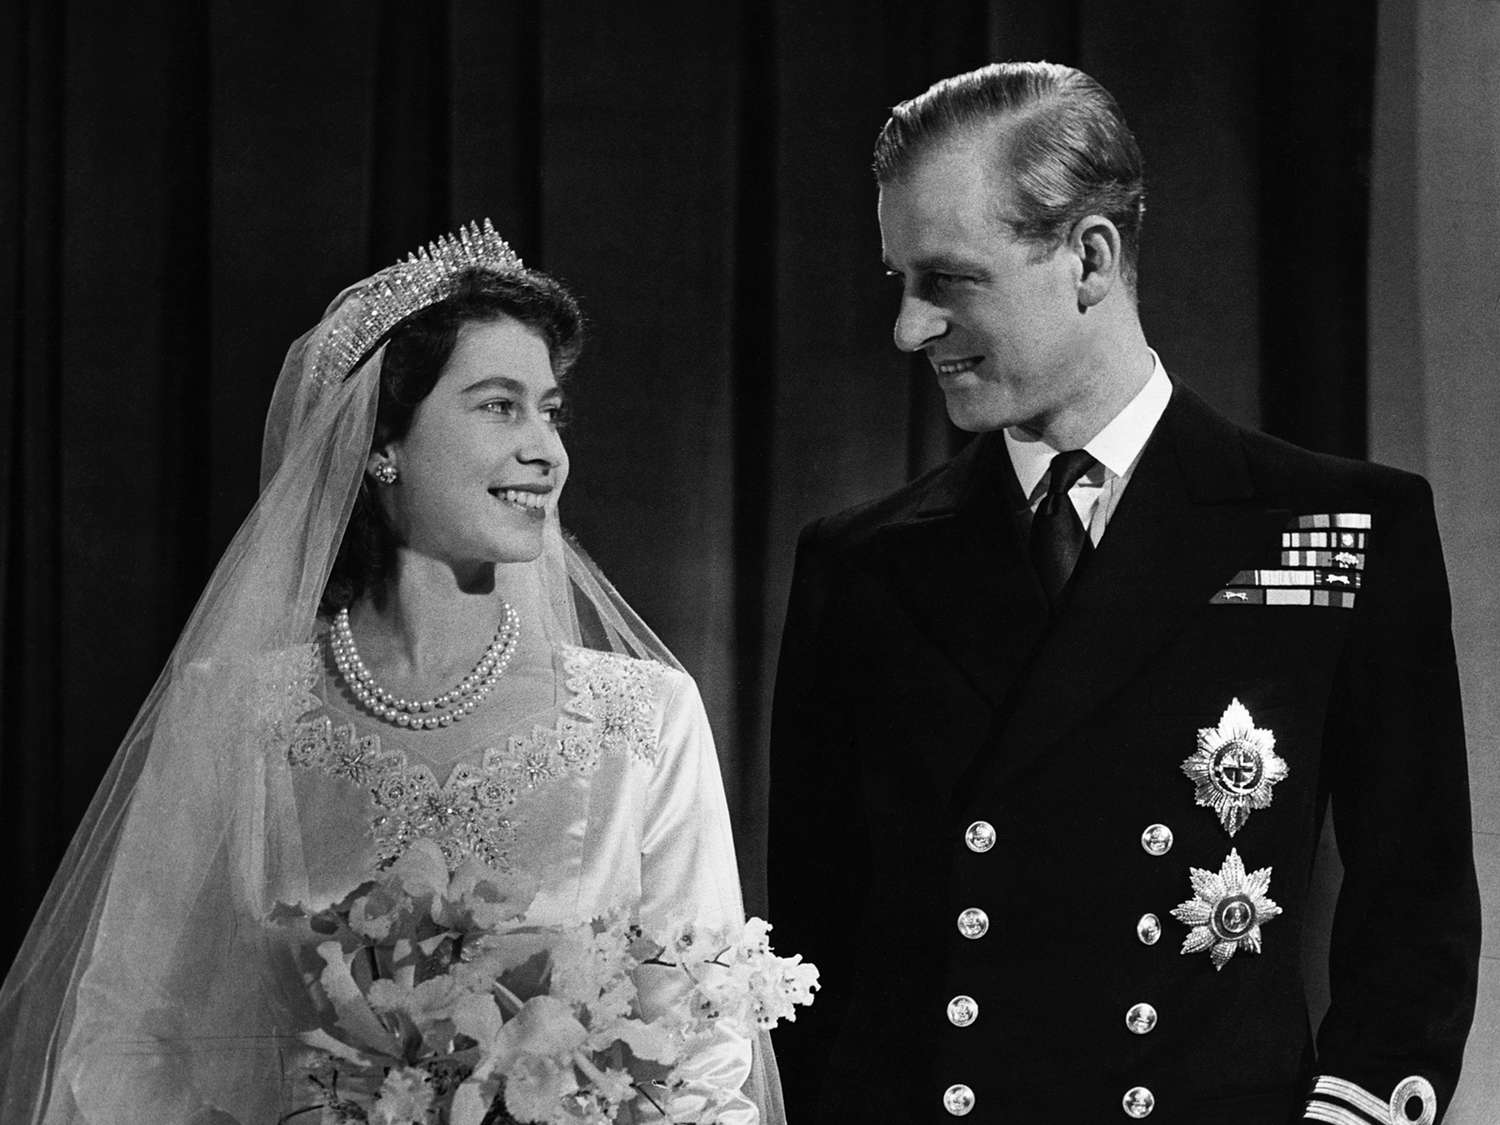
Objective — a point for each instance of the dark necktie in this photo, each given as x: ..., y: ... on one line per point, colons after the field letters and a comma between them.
x: 1058, y: 537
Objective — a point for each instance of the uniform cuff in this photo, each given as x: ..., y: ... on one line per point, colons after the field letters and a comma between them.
x: 1338, y: 1101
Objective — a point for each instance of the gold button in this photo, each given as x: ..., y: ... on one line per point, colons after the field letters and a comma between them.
x: 1157, y: 839
x: 1148, y: 929
x: 958, y: 1100
x: 980, y: 836
x: 1141, y: 1018
x: 1138, y: 1102
x: 973, y: 923
x: 962, y: 1011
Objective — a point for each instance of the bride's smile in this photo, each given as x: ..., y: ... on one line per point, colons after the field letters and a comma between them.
x: 487, y: 432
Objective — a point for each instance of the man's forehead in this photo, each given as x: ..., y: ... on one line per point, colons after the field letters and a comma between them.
x: 975, y: 155
x: 946, y: 207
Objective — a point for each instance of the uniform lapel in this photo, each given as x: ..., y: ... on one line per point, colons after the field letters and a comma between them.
x: 1187, y: 522
x: 956, y: 568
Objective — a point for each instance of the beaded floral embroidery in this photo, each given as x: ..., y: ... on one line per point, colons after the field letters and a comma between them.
x: 611, y: 710
x: 282, y: 687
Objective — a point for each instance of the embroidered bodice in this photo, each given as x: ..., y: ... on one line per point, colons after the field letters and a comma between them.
x: 480, y: 809
x: 595, y: 774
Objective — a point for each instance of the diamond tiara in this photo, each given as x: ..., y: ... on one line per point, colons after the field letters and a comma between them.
x: 393, y: 294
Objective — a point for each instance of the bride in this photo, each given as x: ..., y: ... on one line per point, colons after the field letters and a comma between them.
x: 399, y: 644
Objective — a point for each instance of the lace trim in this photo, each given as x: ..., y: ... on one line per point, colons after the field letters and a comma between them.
x: 611, y: 710
x: 283, y: 687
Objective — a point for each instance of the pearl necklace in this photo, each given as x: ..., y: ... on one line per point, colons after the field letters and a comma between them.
x: 424, y: 714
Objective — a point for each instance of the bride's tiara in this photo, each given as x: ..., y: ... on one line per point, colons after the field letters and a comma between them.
x: 397, y: 291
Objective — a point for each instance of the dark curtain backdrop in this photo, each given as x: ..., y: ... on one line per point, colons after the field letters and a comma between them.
x: 184, y: 186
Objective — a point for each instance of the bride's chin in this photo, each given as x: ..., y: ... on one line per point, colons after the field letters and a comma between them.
x: 519, y: 549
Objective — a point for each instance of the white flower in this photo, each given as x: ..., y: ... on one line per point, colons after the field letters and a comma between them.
x: 481, y: 898
x: 614, y: 1087
x: 592, y: 968
x: 425, y: 1003
x: 405, y: 1097
x: 421, y: 869
x: 535, y: 1089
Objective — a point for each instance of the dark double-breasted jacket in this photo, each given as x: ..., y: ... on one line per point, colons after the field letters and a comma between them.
x: 1056, y: 867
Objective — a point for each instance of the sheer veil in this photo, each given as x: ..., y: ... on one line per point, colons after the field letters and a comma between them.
x: 140, y: 993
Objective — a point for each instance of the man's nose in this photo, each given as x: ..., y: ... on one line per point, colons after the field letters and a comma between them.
x: 917, y: 323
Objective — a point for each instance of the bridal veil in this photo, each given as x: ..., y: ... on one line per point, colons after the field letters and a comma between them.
x: 145, y: 964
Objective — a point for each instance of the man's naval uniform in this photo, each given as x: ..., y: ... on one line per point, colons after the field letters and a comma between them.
x: 1054, y: 866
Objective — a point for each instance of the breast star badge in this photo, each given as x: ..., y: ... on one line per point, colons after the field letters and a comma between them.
x: 1227, y: 910
x: 1235, y: 767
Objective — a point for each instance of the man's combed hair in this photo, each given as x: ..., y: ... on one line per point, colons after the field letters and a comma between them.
x: 1066, y: 147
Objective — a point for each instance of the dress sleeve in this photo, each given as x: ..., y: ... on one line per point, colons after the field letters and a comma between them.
x: 688, y: 872
x: 1404, y: 955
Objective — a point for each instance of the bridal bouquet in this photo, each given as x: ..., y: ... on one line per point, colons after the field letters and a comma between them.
x: 444, y: 1008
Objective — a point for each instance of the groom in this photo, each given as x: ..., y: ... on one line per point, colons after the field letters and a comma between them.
x: 1056, y: 725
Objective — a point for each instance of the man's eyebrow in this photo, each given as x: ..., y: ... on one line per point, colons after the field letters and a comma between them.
x: 937, y: 263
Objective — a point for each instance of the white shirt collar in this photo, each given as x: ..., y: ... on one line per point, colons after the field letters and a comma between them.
x: 1117, y: 447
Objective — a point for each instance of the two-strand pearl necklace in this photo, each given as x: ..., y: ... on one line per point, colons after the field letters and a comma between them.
x: 424, y: 714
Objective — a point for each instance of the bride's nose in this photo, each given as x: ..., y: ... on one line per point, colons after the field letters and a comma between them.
x: 541, y: 445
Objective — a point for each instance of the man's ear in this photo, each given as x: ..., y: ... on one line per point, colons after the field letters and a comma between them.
x: 1096, y: 243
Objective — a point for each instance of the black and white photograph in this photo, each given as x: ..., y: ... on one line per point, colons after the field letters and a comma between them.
x: 750, y: 564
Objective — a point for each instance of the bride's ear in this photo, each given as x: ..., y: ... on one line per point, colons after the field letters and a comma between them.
x: 381, y: 466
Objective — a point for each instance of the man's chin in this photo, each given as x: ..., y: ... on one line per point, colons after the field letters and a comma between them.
x: 977, y: 417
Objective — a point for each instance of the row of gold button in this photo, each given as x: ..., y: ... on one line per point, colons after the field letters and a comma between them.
x: 1139, y: 1101
x: 974, y: 923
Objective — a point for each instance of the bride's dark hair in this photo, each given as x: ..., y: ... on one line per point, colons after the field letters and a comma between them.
x: 416, y: 352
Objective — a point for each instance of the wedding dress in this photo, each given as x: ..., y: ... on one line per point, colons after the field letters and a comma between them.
x: 152, y: 986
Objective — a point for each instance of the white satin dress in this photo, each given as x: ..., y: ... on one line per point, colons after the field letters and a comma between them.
x: 604, y: 784
x: 594, y: 772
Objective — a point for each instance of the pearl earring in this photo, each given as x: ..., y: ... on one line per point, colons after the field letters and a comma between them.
x: 385, y: 473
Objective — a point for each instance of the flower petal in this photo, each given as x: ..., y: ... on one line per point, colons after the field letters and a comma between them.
x: 354, y: 1013
x: 471, y: 1103
x: 478, y: 1016
x: 322, y: 1041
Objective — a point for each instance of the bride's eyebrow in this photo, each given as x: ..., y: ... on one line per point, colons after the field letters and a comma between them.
x: 496, y: 383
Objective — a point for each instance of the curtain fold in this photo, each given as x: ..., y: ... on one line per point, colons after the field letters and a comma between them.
x: 185, y: 187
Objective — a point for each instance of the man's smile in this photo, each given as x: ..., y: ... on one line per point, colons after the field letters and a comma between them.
x: 956, y: 366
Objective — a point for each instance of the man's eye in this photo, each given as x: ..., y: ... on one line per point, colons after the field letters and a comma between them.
x: 558, y: 415
x: 935, y: 284
x: 502, y: 406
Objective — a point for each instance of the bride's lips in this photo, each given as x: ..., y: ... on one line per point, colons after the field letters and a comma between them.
x: 529, y: 498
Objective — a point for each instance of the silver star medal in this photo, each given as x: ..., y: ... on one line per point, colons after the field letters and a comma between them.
x: 1227, y: 909
x: 1235, y: 767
